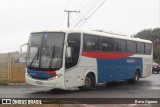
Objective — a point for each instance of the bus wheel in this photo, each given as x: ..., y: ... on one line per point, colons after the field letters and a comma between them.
x: 135, y: 79
x: 89, y: 82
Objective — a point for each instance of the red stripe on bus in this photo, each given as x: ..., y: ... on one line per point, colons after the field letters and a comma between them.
x: 108, y: 56
x: 50, y: 72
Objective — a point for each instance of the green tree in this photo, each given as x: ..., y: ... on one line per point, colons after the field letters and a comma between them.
x: 154, y: 36
x: 149, y: 34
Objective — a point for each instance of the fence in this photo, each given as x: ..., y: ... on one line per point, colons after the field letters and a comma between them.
x: 12, y: 67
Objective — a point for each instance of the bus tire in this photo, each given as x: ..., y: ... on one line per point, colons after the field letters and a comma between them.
x: 89, y: 82
x: 136, y: 77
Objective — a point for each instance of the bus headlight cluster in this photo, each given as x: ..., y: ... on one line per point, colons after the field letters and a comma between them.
x: 56, y: 77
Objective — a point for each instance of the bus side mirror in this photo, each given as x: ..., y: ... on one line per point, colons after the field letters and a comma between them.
x: 68, y: 52
x: 23, y: 46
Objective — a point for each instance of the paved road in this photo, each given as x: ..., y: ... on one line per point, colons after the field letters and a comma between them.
x: 148, y: 87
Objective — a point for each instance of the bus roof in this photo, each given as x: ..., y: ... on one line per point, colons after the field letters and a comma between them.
x: 96, y: 32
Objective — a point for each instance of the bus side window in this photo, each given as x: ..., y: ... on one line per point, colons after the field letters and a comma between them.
x: 74, y: 43
x: 148, y: 48
x: 140, y: 48
x: 120, y: 45
x: 91, y: 43
x: 131, y: 47
x: 107, y: 44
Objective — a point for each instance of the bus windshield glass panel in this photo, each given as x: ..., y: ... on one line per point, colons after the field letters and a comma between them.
x: 45, y: 51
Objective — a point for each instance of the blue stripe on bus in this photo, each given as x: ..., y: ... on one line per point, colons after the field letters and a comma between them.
x: 38, y: 74
x: 119, y: 69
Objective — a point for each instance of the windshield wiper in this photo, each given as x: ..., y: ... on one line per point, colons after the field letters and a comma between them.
x: 53, y: 55
x: 36, y: 55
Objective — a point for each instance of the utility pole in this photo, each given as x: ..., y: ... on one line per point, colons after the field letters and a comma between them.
x: 68, y: 12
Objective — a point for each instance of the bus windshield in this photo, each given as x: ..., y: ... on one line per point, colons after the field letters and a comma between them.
x: 45, y: 51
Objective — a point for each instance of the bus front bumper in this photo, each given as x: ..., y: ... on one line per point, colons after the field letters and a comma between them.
x: 53, y: 83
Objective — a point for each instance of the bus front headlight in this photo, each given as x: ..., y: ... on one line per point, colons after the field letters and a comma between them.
x: 56, y: 77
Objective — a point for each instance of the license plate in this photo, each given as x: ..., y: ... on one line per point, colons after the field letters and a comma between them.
x: 39, y: 82
x: 155, y: 67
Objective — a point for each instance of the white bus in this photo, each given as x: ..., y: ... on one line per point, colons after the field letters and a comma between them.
x: 65, y: 58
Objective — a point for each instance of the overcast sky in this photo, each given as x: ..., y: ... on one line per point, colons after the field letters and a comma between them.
x: 18, y: 18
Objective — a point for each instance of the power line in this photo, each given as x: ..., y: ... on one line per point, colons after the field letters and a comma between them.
x: 93, y: 4
x: 68, y: 12
x: 93, y: 13
x: 79, y: 22
x: 92, y: 8
x: 80, y: 4
x: 68, y: 4
x: 84, y: 5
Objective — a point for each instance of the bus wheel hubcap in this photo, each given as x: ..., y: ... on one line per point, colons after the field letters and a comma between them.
x: 87, y: 82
